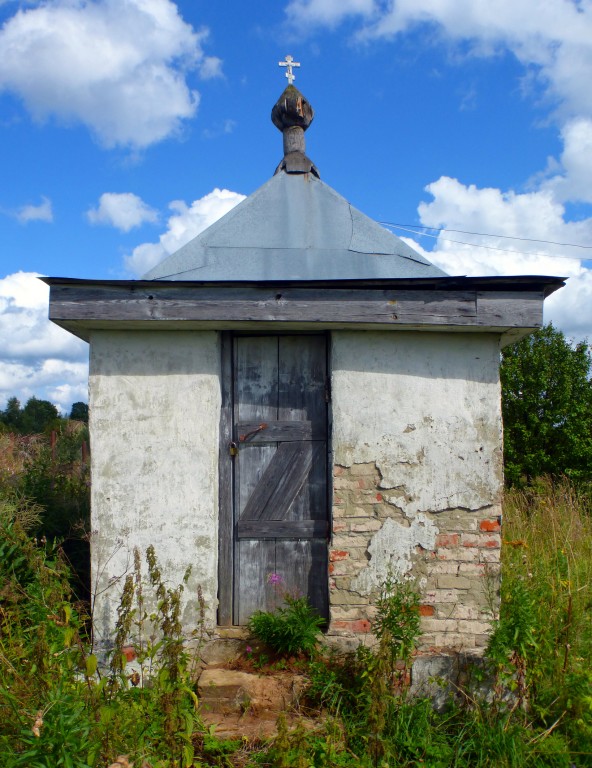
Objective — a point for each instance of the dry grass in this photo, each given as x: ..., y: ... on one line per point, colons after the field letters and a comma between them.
x: 548, y: 548
x: 551, y: 522
x: 16, y: 451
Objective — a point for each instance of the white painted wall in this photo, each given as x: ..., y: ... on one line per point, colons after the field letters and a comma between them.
x: 426, y: 408
x: 154, y: 423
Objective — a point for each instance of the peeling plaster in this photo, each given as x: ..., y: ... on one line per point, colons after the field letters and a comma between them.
x: 154, y: 418
x: 425, y: 408
x: 391, y: 550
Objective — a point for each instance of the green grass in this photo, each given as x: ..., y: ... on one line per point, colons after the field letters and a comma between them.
x: 55, y: 710
x: 539, y: 710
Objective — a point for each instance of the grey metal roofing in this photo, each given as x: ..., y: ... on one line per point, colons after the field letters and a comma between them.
x: 294, y: 227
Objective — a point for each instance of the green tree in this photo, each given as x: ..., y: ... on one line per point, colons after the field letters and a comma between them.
x: 79, y: 412
x: 38, y: 415
x: 547, y: 407
x: 12, y: 415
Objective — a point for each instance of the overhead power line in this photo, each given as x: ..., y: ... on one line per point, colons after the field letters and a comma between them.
x: 414, y: 229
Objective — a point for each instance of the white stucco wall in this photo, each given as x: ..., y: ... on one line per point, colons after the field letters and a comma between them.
x: 416, y: 437
x: 424, y: 407
x: 154, y: 422
x: 417, y: 444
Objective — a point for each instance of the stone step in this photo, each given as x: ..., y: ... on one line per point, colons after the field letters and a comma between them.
x: 227, y: 691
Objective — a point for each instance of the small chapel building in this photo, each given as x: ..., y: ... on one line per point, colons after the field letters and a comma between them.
x: 298, y: 398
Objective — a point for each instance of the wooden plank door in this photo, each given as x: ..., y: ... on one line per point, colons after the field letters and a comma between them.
x: 280, y: 509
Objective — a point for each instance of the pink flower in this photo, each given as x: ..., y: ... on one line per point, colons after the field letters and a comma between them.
x: 248, y: 649
x: 274, y: 578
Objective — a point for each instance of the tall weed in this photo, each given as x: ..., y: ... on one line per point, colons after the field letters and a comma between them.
x: 538, y: 710
x: 56, y: 706
x: 542, y: 645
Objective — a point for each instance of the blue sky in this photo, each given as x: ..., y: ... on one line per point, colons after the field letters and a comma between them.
x: 127, y: 126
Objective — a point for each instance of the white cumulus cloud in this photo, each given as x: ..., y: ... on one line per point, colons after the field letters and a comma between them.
x: 535, y: 215
x: 37, y: 358
x: 117, y: 66
x: 122, y: 210
x: 554, y: 38
x: 41, y: 212
x: 574, y: 178
x: 186, y: 222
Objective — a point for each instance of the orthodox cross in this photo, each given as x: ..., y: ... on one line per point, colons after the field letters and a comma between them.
x: 289, y: 62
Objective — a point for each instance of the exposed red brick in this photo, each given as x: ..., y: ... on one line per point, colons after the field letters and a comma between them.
x: 490, y: 526
x: 447, y: 540
x: 129, y: 652
x: 337, y: 554
x: 337, y: 470
x: 331, y: 567
x: 492, y: 543
x: 360, y: 625
x: 426, y: 610
x: 379, y: 497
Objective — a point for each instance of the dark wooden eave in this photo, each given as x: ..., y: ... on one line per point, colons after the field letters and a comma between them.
x: 509, y: 305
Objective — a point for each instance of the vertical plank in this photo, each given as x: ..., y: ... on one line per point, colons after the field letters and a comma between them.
x: 302, y: 372
x: 225, y: 488
x: 302, y: 565
x: 256, y: 383
x: 256, y: 560
x: 302, y: 380
x: 255, y: 399
x: 318, y: 593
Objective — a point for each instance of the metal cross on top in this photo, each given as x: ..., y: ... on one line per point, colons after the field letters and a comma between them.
x: 289, y: 62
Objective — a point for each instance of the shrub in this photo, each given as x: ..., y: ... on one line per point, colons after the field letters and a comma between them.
x: 290, y: 630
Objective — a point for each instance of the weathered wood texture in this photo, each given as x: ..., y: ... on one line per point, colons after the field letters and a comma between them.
x: 280, y: 472
x: 281, y: 430
x: 276, y: 529
x: 235, y: 303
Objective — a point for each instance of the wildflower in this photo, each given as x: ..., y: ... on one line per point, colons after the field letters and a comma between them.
x: 274, y: 578
x: 248, y: 649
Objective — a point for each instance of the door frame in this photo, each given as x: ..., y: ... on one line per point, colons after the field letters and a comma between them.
x: 226, y: 571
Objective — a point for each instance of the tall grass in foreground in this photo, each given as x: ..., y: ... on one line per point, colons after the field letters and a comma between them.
x: 546, y: 615
x: 57, y: 710
x: 538, y: 670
